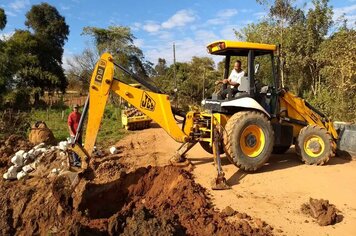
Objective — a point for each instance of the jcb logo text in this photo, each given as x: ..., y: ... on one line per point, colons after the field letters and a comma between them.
x: 147, y: 102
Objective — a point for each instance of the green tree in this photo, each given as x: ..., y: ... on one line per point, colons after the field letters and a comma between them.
x: 20, y: 66
x: 193, y: 78
x: 51, y: 32
x: 338, y: 57
x: 202, y: 76
x: 118, y: 41
x: 318, y: 22
x: 161, y: 67
x: 3, y: 19
x: 284, y: 15
x: 3, y: 71
x: 49, y: 26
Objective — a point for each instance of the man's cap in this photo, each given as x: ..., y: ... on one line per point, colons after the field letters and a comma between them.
x: 75, y: 106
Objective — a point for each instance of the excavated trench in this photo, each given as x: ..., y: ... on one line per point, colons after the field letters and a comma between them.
x: 104, y: 200
x: 153, y: 200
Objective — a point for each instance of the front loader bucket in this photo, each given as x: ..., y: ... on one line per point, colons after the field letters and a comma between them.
x: 346, y: 144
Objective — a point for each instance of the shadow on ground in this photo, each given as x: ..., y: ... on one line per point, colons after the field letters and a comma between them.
x: 279, y: 162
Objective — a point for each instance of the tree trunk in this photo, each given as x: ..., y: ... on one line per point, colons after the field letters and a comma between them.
x: 37, y: 99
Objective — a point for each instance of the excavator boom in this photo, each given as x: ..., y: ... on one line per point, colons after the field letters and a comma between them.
x: 155, y: 105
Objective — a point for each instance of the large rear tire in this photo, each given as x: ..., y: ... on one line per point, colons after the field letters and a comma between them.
x: 248, y: 140
x: 315, y: 145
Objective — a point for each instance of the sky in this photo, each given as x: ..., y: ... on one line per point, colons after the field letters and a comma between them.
x: 157, y: 24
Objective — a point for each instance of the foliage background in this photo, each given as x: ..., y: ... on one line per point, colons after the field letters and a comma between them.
x: 318, y: 59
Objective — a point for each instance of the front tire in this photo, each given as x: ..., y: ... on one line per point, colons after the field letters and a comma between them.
x: 315, y: 145
x: 248, y: 140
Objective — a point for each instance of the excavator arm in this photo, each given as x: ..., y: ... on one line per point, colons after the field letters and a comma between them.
x: 155, y: 105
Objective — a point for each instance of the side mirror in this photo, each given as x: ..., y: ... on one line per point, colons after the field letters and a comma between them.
x: 257, y: 67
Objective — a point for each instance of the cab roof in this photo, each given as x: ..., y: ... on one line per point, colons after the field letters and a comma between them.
x: 236, y: 48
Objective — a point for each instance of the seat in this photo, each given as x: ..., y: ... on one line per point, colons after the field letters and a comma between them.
x: 241, y: 95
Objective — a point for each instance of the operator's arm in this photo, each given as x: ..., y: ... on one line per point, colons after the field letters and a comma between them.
x: 226, y: 81
x: 236, y: 84
x: 235, y: 80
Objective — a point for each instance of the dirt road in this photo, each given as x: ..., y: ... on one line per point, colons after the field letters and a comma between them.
x: 274, y: 194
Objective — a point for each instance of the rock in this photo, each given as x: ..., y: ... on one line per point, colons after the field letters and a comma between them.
x: 12, y: 172
x: 260, y: 223
x: 239, y: 215
x: 5, y: 176
x: 17, y: 160
x: 28, y: 168
x: 70, y: 140
x: 55, y: 171
x: 21, y: 175
x: 41, y: 145
x: 114, y: 150
x: 42, y: 150
x: 37, y: 152
x: 20, y: 153
x: 9, y: 176
x: 27, y: 161
x: 228, y: 211
x: 63, y: 145
x: 320, y: 209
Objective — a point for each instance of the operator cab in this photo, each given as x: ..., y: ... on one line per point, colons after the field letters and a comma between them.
x: 255, y: 54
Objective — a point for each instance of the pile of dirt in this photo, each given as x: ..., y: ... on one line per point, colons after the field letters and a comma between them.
x: 40, y: 133
x: 10, y: 146
x: 153, y: 200
x: 321, y: 210
x: 162, y: 200
x: 148, y: 201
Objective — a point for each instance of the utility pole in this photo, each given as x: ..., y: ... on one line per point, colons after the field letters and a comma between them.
x: 174, y: 74
x: 204, y: 84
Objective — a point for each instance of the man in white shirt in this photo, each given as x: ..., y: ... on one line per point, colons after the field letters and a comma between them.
x: 235, y: 81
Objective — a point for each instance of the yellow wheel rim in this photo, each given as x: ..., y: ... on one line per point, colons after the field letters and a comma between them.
x: 314, y: 146
x: 252, y: 141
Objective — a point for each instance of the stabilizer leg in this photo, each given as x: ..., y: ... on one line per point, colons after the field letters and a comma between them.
x: 219, y: 183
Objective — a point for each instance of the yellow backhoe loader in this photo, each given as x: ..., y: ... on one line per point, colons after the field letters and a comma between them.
x: 132, y: 118
x: 247, y: 126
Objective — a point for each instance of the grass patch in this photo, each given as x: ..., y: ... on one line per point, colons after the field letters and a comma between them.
x: 110, y: 131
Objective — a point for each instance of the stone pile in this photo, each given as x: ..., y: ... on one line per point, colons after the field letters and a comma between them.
x: 26, y: 162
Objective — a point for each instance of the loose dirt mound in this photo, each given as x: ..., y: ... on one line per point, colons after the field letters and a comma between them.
x: 321, y: 210
x: 148, y: 201
x: 10, y: 146
x: 156, y: 201
x: 145, y: 201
